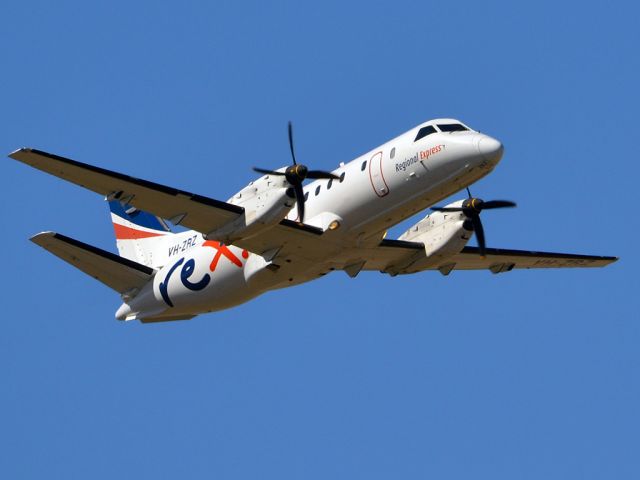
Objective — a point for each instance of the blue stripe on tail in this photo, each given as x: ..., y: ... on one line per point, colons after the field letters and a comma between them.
x: 138, y: 217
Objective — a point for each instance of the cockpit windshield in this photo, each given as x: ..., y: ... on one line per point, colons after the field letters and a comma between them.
x: 424, y: 131
x: 452, y: 127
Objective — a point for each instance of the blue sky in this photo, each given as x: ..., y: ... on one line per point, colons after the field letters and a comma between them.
x: 530, y: 374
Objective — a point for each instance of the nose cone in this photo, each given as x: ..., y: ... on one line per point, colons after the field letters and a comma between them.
x: 491, y: 149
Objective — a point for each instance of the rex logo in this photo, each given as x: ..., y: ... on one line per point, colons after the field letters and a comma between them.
x: 189, y: 267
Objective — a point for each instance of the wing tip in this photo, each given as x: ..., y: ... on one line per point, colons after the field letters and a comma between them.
x: 16, y: 153
x: 42, y: 235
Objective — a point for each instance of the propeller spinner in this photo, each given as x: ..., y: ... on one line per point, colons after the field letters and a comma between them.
x: 296, y: 174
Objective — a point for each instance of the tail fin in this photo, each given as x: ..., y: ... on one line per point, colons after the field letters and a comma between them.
x: 140, y: 236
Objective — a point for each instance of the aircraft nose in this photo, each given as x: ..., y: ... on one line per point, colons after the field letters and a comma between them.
x: 491, y: 149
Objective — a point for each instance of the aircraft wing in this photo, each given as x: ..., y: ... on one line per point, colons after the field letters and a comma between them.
x: 114, y: 271
x: 500, y: 260
x: 197, y: 212
x: 200, y: 213
x: 400, y: 257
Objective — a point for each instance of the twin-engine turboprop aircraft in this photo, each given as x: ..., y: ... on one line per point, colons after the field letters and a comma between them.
x: 277, y: 233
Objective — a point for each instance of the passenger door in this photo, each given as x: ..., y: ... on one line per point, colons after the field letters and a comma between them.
x: 375, y: 174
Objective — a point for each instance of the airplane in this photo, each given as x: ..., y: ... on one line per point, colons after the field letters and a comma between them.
x: 278, y: 232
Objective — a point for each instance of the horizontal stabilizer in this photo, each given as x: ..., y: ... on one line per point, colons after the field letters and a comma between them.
x: 118, y: 273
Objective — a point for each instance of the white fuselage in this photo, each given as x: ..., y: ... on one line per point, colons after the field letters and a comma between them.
x: 378, y: 190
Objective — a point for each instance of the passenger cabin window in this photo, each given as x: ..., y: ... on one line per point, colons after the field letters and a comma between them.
x: 363, y: 166
x: 306, y: 196
x: 342, y: 177
x: 317, y: 190
x: 393, y: 152
x: 452, y: 127
x: 329, y: 183
x: 424, y: 131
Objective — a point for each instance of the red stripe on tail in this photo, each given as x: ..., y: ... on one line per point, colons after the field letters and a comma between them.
x: 127, y: 233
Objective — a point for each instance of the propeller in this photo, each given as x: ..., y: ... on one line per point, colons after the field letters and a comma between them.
x: 296, y: 174
x: 472, y: 207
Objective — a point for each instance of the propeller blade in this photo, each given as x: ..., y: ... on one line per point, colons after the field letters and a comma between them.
x: 497, y: 204
x: 297, y: 188
x: 293, y: 155
x: 479, y: 230
x: 319, y: 174
x: 267, y: 172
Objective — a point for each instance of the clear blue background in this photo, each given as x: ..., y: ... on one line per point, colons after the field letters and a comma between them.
x: 531, y: 374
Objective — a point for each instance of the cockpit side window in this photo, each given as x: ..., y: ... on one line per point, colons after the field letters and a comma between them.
x: 452, y: 127
x: 424, y: 131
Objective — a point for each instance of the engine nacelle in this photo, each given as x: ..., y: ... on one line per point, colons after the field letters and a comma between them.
x: 266, y: 202
x: 443, y: 233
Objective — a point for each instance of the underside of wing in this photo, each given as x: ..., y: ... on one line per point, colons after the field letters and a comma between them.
x: 118, y: 273
x: 392, y: 255
x: 200, y: 213
x: 502, y: 260
x: 400, y: 257
x: 289, y: 238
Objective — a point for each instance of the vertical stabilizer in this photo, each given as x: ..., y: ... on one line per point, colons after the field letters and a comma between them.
x: 140, y: 236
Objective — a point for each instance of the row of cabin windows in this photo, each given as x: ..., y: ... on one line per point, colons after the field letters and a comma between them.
x: 329, y: 184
